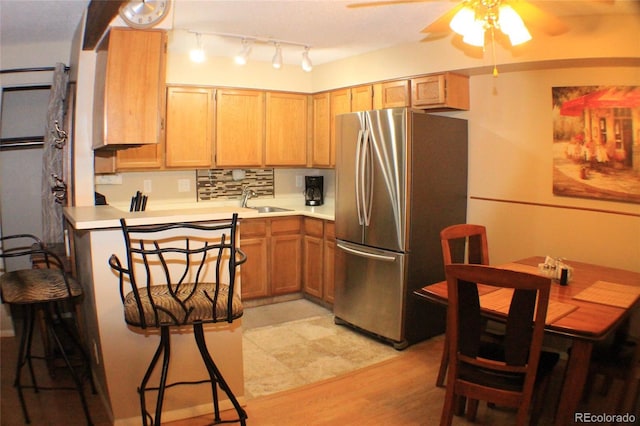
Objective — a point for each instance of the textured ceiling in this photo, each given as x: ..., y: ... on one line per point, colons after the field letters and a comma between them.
x: 333, y: 30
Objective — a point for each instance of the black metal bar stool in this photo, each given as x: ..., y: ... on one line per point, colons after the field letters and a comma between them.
x: 174, y: 276
x: 51, y: 294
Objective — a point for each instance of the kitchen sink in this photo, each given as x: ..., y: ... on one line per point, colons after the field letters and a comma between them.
x: 270, y: 209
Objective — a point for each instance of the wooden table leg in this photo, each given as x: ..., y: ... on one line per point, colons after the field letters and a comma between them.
x: 575, y: 378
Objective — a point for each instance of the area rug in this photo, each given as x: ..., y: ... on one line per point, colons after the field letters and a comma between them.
x: 296, y: 353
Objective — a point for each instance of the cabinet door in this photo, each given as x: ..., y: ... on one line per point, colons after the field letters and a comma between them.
x: 313, y: 265
x: 286, y: 255
x: 133, y: 91
x: 321, y: 142
x: 254, y: 272
x: 362, y: 98
x: 189, y: 127
x: 286, y: 129
x: 446, y: 90
x: 141, y: 157
x: 239, y: 128
x: 392, y: 94
x: 286, y: 262
x: 329, y: 269
x: 340, y: 103
x: 328, y: 272
x: 312, y: 250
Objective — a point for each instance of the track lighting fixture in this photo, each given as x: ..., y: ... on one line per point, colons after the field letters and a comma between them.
x: 306, y: 62
x: 277, y: 57
x: 197, y: 55
x: 242, y: 57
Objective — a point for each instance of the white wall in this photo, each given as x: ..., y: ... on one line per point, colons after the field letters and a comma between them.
x: 510, y: 159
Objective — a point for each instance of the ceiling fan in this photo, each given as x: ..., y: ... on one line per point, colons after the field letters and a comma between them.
x: 474, y: 19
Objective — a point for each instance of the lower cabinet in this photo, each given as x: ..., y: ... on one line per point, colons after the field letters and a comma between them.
x: 274, y: 256
x: 319, y: 249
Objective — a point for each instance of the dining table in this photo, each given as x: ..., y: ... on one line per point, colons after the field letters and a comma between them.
x: 592, y: 305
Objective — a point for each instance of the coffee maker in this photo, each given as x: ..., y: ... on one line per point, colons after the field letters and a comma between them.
x: 313, y: 192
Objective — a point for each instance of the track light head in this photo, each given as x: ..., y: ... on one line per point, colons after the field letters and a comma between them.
x: 306, y: 61
x: 197, y: 55
x: 242, y: 57
x: 277, y: 57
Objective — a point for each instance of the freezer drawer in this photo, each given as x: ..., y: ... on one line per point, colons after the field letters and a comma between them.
x: 369, y: 293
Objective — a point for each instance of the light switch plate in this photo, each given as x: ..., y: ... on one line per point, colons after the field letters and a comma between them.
x: 184, y: 185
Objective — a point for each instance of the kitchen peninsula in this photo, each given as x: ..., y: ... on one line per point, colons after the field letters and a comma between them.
x: 121, y: 354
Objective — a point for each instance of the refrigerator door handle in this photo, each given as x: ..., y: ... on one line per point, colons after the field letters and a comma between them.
x: 367, y: 178
x: 366, y: 254
x: 359, y: 176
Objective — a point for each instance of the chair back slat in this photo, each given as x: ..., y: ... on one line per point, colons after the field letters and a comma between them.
x: 465, y: 243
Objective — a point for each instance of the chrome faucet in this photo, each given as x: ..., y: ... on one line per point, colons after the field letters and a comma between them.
x: 246, y: 194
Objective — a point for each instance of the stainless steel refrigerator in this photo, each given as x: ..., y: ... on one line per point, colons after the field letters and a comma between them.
x: 401, y: 176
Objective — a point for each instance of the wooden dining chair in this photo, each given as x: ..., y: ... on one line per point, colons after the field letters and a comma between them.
x: 461, y: 243
x: 506, y: 373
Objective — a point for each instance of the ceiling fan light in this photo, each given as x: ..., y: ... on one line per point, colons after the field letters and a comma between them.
x: 307, y: 66
x: 462, y: 20
x: 474, y: 35
x: 512, y: 25
x: 276, y: 62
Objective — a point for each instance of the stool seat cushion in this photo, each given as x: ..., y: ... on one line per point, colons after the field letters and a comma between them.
x: 182, y: 307
x: 29, y: 286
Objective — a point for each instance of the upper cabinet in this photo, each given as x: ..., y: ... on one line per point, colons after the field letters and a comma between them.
x: 321, y: 130
x: 362, y: 98
x: 440, y: 91
x: 391, y: 94
x: 239, y: 128
x: 286, y: 129
x: 189, y: 135
x: 129, y: 88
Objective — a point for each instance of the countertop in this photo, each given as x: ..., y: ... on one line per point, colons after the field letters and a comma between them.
x: 99, y: 217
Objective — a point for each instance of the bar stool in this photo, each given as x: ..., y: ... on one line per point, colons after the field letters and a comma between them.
x: 45, y: 293
x: 174, y: 276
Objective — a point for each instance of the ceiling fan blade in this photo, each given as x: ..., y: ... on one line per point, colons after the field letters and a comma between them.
x: 532, y: 15
x: 384, y: 3
x: 441, y: 24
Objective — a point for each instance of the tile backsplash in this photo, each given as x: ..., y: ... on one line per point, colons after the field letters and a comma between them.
x: 228, y: 184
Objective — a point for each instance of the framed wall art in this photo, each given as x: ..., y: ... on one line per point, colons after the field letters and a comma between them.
x: 596, y: 142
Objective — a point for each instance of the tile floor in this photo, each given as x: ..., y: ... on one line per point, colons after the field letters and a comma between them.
x: 290, y: 344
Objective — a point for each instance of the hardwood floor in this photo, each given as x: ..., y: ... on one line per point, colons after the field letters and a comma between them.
x: 400, y: 391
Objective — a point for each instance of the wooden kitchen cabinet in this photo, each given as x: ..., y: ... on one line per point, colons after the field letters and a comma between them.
x: 391, y: 94
x: 313, y: 257
x: 286, y: 129
x: 129, y: 88
x: 239, y: 128
x: 362, y: 98
x: 286, y: 255
x: 189, y: 133
x: 440, y: 91
x: 141, y: 157
x: 321, y: 133
x: 328, y: 279
x: 340, y: 103
x: 318, y: 261
x: 274, y: 256
x: 254, y: 272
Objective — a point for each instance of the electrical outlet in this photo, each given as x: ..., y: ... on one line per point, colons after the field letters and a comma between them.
x: 298, y: 181
x: 184, y: 185
x: 147, y: 185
